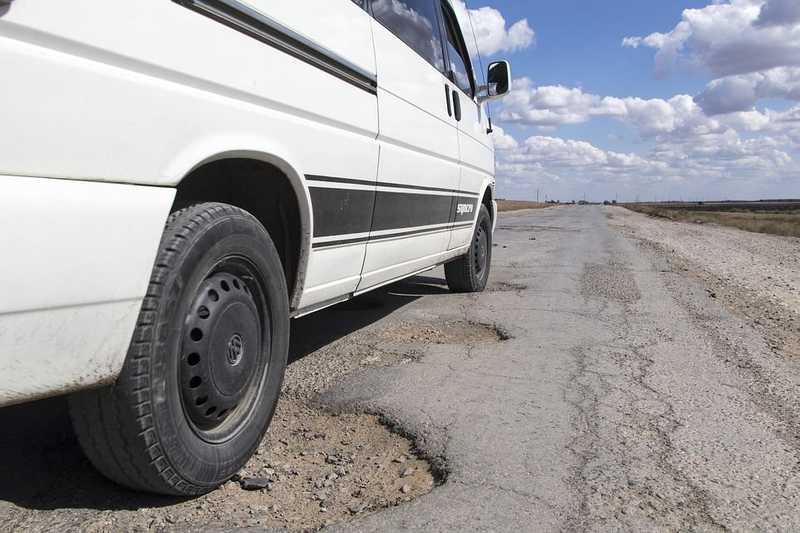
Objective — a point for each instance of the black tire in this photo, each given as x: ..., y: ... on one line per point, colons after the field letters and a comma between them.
x: 212, y: 336
x: 470, y: 272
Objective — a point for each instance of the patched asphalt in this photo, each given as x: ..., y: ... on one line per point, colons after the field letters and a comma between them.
x: 625, y: 399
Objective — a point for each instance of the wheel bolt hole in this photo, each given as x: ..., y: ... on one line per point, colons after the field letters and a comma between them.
x: 193, y: 359
x: 213, y: 295
x: 200, y: 401
x: 196, y: 334
x: 195, y: 382
x: 222, y: 413
x: 203, y: 312
x: 236, y: 284
x: 210, y: 411
x: 224, y: 285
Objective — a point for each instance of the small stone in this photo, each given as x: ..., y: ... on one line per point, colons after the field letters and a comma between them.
x: 256, y: 483
x: 407, y: 472
x: 340, y: 471
x: 402, y: 459
x: 405, y: 489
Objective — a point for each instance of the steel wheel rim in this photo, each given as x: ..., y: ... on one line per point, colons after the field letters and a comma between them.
x: 481, y: 247
x: 222, y: 369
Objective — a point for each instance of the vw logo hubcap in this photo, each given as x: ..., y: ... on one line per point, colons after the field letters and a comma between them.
x: 235, y: 350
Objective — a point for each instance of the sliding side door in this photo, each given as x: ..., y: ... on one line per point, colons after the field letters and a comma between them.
x: 476, y: 152
x: 418, y: 171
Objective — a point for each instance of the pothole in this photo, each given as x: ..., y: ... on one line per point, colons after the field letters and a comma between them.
x: 313, y: 469
x: 452, y: 332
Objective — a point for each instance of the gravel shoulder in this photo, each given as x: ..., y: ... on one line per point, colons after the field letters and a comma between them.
x: 754, y: 274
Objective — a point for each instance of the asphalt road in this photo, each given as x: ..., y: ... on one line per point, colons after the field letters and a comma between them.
x: 619, y: 394
x: 627, y: 399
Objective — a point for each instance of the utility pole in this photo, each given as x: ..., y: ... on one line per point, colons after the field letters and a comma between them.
x: 537, y: 196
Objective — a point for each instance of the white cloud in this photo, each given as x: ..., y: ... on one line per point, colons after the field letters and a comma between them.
x: 491, y: 30
x: 559, y: 105
x: 681, y: 145
x: 709, y: 167
x: 739, y: 37
x: 742, y: 92
x: 779, y: 13
x: 752, y: 47
x: 502, y: 140
x: 553, y: 105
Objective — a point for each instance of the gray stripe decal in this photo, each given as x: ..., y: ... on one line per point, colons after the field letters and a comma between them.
x: 328, y: 179
x: 390, y: 236
x: 350, y: 211
x: 255, y: 24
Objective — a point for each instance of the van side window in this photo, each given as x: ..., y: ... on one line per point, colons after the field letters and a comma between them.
x: 415, y: 22
x: 460, y: 66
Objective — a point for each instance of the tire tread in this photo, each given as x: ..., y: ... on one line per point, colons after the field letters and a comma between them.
x: 126, y: 448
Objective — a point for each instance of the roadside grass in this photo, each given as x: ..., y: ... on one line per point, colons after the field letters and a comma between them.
x: 785, y: 224
x: 517, y: 205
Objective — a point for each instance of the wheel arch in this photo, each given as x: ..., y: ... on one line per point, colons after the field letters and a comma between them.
x: 487, y: 198
x: 240, y: 176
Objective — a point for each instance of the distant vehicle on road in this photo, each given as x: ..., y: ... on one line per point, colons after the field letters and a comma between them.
x: 183, y: 177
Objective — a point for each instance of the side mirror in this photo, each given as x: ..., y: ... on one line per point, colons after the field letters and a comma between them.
x: 498, y: 82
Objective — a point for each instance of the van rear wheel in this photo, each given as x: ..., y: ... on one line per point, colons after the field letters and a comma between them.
x: 204, y: 370
x: 470, y: 272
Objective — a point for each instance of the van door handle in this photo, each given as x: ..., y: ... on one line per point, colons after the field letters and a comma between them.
x: 446, y: 96
x: 457, y: 105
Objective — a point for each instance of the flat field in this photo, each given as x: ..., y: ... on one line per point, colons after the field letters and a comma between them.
x: 518, y: 205
x: 773, y: 217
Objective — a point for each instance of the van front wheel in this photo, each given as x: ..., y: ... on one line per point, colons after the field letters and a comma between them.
x: 470, y: 272
x: 202, y: 376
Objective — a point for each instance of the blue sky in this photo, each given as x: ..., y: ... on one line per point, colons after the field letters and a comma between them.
x: 699, y: 102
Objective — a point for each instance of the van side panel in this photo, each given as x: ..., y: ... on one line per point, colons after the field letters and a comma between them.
x: 76, y: 261
x: 128, y: 92
x: 136, y: 93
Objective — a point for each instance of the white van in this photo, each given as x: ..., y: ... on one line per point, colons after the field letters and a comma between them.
x: 180, y: 178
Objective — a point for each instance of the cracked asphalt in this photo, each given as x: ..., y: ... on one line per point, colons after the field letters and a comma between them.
x: 625, y: 399
x: 610, y: 378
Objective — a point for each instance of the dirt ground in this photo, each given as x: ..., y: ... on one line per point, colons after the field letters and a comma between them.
x: 314, y: 468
